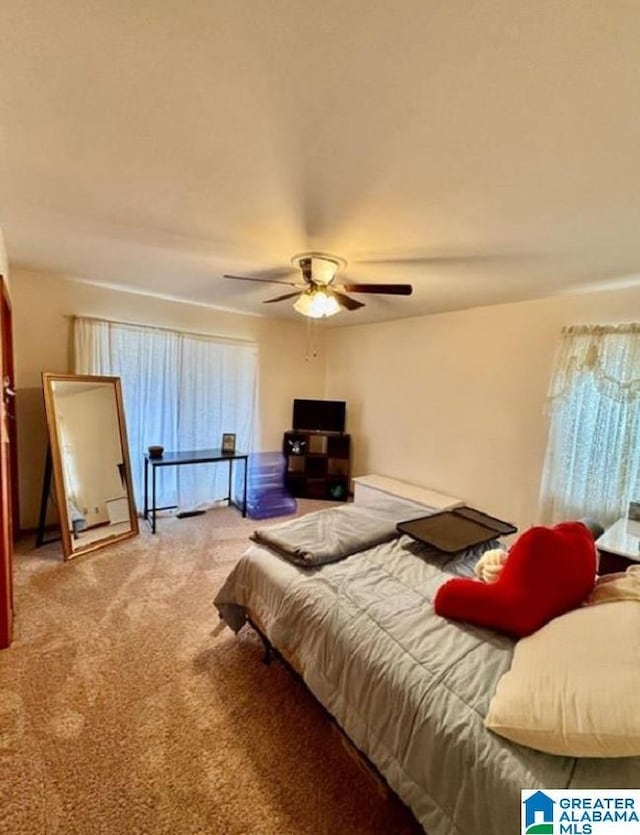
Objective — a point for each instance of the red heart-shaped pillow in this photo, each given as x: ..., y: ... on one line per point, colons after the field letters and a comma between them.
x: 548, y: 572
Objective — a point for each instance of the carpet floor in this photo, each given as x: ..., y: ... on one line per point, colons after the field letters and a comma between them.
x: 122, y: 712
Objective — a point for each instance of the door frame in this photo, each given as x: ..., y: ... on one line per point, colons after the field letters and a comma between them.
x: 8, y: 370
x: 8, y: 468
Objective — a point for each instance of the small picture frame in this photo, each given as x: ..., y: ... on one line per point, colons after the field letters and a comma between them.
x: 228, y: 442
x: 634, y: 511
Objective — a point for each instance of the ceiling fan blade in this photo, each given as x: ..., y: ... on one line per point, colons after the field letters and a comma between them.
x: 391, y: 289
x: 278, y: 273
x: 282, y: 298
x: 444, y: 259
x: 345, y: 301
x: 263, y: 280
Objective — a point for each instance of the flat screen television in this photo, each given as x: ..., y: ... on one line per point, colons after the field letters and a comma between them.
x: 319, y: 415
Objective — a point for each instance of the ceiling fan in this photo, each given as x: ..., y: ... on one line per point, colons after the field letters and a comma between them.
x: 320, y: 293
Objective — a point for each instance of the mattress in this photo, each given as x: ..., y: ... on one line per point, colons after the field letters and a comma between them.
x: 408, y: 687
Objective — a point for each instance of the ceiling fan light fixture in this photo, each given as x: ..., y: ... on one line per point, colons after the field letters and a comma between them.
x: 316, y: 303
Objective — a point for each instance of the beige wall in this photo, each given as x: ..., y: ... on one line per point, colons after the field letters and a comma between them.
x: 43, y: 301
x: 455, y: 401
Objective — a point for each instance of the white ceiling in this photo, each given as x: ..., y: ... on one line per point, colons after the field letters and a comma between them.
x: 483, y: 151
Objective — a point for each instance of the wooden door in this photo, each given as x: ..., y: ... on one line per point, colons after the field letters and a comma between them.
x: 7, y: 467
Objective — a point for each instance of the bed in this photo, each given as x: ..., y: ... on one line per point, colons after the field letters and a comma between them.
x: 410, y: 689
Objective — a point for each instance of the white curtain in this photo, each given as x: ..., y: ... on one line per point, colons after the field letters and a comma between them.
x: 179, y: 390
x: 592, y: 462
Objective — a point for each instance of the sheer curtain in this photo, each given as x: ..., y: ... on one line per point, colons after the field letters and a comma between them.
x: 592, y: 462
x: 179, y: 390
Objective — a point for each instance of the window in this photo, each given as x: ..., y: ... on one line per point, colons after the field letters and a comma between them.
x: 592, y: 462
x: 182, y: 391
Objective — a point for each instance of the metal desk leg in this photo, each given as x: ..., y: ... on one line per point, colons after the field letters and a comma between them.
x: 229, y: 499
x: 244, y: 492
x: 146, y: 480
x: 153, y: 499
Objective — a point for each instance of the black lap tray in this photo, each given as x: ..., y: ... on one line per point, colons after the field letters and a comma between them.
x: 455, y: 530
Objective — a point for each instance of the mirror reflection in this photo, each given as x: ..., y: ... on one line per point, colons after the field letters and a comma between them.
x: 90, y: 461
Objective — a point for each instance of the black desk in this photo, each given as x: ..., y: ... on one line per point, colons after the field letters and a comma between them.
x: 177, y: 459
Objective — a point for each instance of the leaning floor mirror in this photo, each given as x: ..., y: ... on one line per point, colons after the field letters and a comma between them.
x: 90, y: 458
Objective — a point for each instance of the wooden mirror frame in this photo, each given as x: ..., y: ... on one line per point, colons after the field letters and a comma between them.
x: 70, y: 552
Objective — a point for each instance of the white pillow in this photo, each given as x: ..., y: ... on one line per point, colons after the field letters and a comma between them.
x: 574, y: 685
x: 611, y: 587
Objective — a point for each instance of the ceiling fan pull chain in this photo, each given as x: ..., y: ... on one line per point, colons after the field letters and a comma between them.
x: 311, y: 349
x: 308, y: 341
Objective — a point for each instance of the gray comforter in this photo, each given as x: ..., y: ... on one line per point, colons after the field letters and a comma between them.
x: 327, y: 535
x: 410, y: 688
